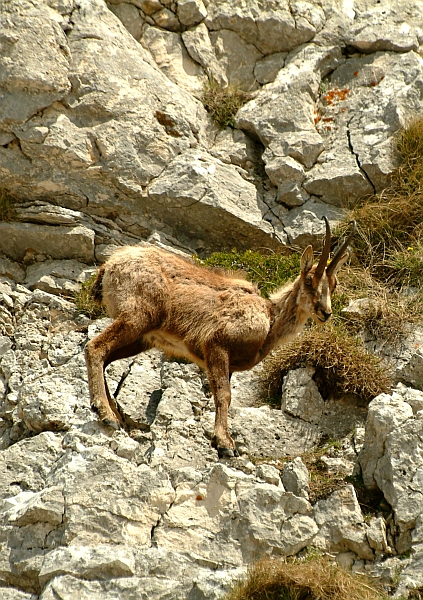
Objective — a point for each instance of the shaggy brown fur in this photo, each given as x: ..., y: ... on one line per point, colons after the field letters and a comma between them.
x: 221, y: 322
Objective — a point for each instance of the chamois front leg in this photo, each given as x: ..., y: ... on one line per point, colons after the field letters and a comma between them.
x: 217, y: 362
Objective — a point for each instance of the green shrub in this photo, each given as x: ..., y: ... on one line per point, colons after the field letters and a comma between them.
x: 267, y: 271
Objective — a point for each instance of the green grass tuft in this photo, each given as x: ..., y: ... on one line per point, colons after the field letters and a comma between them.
x: 268, y: 272
x: 85, y: 303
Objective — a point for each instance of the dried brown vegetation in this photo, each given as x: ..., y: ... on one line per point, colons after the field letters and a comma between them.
x: 390, y: 243
x: 343, y: 364
x: 303, y: 580
x: 223, y: 102
x: 7, y: 206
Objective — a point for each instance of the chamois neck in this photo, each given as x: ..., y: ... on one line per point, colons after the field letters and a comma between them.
x: 289, y: 317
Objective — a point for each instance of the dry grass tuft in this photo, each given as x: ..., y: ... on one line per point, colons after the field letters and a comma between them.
x: 342, y: 363
x: 391, y: 310
x: 390, y: 241
x: 7, y: 206
x: 223, y: 102
x: 303, y: 580
x: 85, y: 303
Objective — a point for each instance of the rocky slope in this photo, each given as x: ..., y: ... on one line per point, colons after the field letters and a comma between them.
x: 104, y: 141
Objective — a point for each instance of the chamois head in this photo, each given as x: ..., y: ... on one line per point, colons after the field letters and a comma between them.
x: 319, y: 281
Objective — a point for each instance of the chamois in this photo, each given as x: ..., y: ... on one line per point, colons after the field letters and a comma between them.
x: 217, y: 320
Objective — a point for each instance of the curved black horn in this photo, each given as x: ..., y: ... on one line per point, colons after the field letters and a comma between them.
x: 341, y: 250
x: 320, y: 269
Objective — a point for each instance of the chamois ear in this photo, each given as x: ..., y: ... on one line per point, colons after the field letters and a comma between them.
x: 307, y: 260
x: 341, y: 262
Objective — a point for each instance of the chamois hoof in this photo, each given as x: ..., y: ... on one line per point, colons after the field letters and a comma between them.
x: 113, y: 424
x: 226, y: 453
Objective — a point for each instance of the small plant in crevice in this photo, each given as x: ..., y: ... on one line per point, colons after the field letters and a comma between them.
x: 85, y: 303
x: 7, y: 206
x: 223, y: 102
x: 299, y: 579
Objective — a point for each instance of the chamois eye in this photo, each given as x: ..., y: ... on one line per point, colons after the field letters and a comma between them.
x: 308, y: 281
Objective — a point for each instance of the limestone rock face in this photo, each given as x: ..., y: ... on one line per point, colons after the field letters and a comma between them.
x: 114, y: 98
x: 105, y: 141
x: 391, y: 458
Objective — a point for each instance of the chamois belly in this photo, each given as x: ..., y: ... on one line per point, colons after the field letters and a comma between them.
x: 172, y: 345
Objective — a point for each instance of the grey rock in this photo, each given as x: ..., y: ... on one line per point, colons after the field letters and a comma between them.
x: 301, y: 397
x: 130, y: 17
x: 232, y: 146
x: 140, y: 387
x: 386, y: 413
x: 341, y: 524
x: 408, y: 359
x: 402, y: 487
x: 283, y: 169
x: 16, y: 239
x: 5, y: 345
x: 58, y: 277
x: 29, y: 508
x: 47, y: 214
x: 266, y: 432
x: 376, y: 534
x: 20, y: 32
x: 346, y: 560
x: 359, y: 307
x: 387, y: 570
x: 269, y: 474
x: 26, y: 464
x: 271, y: 29
x: 173, y: 59
x: 103, y: 561
x: 127, y: 588
x: 378, y: 29
x: 167, y: 19
x: 198, y: 44
x: 295, y: 478
x: 54, y: 404
x: 196, y: 185
x: 268, y: 67
x: 9, y: 593
x: 304, y: 224
x: 236, y: 58
x: 303, y: 146
x: 191, y: 12
x: 411, y: 576
x: 11, y: 270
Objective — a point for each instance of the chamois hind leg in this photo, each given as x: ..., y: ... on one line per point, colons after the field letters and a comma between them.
x: 217, y: 362
x: 118, y: 354
x: 100, y: 351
